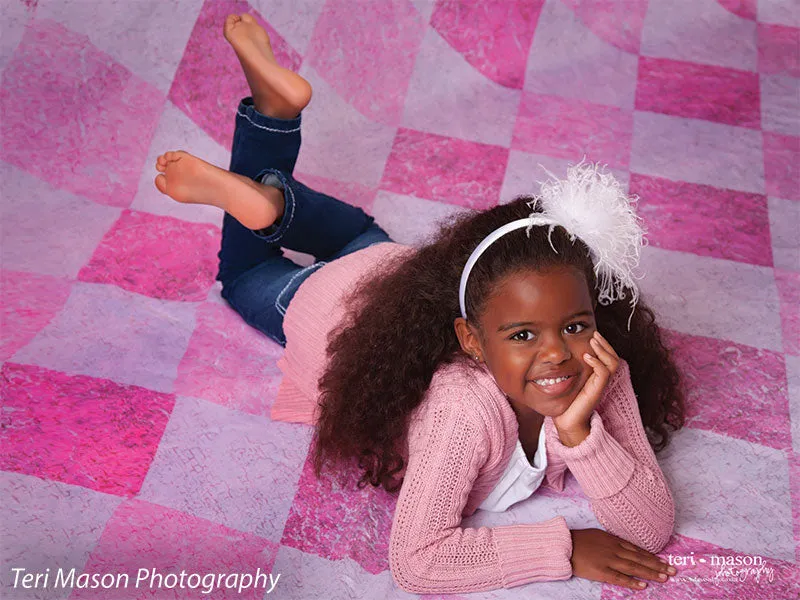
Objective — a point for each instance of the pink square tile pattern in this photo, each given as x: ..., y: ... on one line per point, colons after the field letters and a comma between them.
x: 706, y: 92
x: 159, y: 257
x: 29, y: 303
x: 346, y: 52
x: 141, y: 535
x: 781, y: 168
x: 209, y: 82
x: 573, y: 129
x: 734, y: 390
x: 443, y: 169
x: 618, y: 22
x: 704, y: 220
x: 74, y: 117
x: 353, y: 193
x: 75, y: 429
x: 778, y: 50
x: 789, y: 291
x: 494, y: 37
x: 333, y: 519
x: 229, y: 363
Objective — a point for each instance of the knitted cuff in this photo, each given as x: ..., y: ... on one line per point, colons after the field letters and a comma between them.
x: 599, y: 463
x: 535, y: 552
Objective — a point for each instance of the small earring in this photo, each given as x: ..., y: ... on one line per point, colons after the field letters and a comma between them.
x: 475, y: 357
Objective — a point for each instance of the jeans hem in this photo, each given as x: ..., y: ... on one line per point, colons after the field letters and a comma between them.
x: 288, y: 210
x: 247, y: 110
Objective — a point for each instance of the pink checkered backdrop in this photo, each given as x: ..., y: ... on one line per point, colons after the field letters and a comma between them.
x: 135, y: 417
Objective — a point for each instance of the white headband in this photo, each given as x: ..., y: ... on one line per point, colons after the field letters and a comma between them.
x: 589, y: 204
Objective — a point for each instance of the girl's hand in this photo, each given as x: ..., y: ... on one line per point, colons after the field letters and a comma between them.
x: 601, y: 556
x: 573, y: 424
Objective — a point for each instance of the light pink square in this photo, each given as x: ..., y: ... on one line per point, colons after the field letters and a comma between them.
x: 345, y: 48
x: 780, y: 104
x: 778, y: 50
x: 108, y: 333
x: 79, y: 430
x: 332, y: 518
x: 781, y: 170
x: 74, y: 117
x: 29, y: 303
x: 494, y: 37
x: 573, y: 129
x: 229, y: 363
x: 444, y: 169
x: 228, y: 467
x: 156, y: 256
x: 618, y: 22
x: 734, y: 390
x: 708, y: 221
x: 141, y: 535
x: 209, y: 81
x: 686, y: 89
x: 788, y: 283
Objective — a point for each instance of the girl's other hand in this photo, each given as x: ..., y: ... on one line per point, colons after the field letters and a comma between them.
x: 573, y: 424
x: 601, y: 556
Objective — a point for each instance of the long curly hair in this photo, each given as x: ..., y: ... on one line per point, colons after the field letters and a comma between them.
x: 399, y: 329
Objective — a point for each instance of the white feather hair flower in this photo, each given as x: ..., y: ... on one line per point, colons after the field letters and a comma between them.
x: 592, y: 205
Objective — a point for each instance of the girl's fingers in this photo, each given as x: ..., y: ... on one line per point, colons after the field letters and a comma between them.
x: 604, y: 343
x: 607, y: 359
x: 617, y: 578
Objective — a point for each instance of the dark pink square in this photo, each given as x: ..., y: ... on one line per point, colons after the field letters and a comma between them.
x: 74, y: 117
x: 331, y: 518
x: 141, y: 535
x: 685, y: 89
x: 778, y: 50
x: 788, y: 283
x: 734, y: 390
x: 444, y: 169
x: 573, y: 129
x: 704, y: 220
x: 209, y: 81
x: 80, y: 430
x: 156, y: 256
x: 494, y: 37
x: 30, y: 301
x: 781, y: 170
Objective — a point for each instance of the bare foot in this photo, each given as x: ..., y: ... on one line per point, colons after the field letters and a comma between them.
x: 190, y: 180
x: 277, y: 92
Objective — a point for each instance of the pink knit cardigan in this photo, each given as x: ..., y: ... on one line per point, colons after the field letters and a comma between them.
x: 459, y: 442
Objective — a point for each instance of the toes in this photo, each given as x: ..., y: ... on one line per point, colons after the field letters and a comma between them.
x: 248, y: 18
x: 161, y: 183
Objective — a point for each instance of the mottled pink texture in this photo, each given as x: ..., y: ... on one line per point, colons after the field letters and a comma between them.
x: 229, y: 363
x: 353, y: 193
x: 794, y: 486
x: 733, y: 389
x: 704, y: 220
x: 494, y: 37
x: 74, y: 117
x: 160, y: 257
x: 788, y: 283
x: 742, y: 8
x: 209, y: 82
x: 330, y: 517
x: 776, y: 579
x: 346, y: 51
x: 29, y: 303
x: 445, y: 169
x: 573, y: 128
x: 618, y: 22
x: 144, y: 535
x: 778, y: 50
x: 707, y: 92
x: 782, y: 165
x: 79, y: 430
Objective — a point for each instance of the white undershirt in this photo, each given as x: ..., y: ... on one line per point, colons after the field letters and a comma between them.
x: 520, y: 479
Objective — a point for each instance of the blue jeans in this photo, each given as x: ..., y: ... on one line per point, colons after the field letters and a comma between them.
x: 258, y: 281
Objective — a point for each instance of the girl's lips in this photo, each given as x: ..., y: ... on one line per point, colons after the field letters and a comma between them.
x: 558, y: 388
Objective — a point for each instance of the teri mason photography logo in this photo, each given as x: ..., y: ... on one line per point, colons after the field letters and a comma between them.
x: 714, y: 568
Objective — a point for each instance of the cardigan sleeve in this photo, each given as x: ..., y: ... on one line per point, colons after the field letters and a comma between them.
x: 429, y: 551
x: 617, y: 470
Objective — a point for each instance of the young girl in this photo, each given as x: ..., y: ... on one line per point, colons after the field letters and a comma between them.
x: 465, y: 373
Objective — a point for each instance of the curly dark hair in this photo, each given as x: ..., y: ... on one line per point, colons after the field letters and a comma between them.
x: 398, y: 330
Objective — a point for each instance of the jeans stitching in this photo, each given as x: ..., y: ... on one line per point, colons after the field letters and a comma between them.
x: 246, y: 116
x: 291, y: 213
x: 282, y: 309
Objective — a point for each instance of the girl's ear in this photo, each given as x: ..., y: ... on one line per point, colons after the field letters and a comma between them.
x: 467, y: 337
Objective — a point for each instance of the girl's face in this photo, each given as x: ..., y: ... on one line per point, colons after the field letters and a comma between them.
x: 537, y: 326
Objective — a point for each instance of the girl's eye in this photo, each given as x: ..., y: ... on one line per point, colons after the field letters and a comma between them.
x: 515, y: 338
x: 582, y: 325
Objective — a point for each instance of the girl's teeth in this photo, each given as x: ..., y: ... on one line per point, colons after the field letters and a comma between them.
x: 551, y: 381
